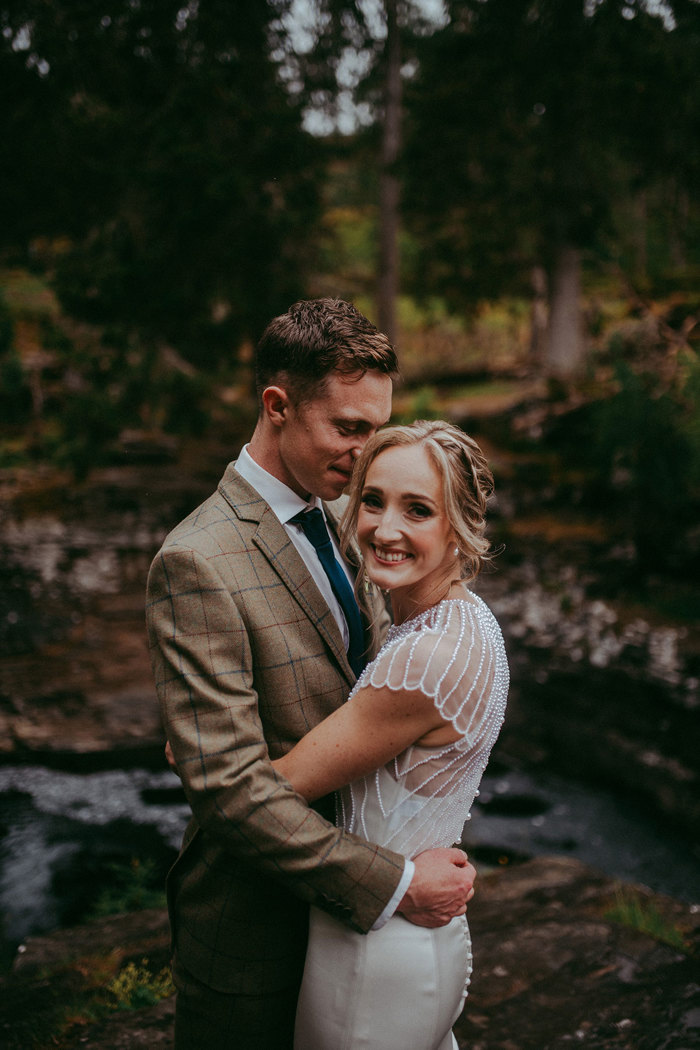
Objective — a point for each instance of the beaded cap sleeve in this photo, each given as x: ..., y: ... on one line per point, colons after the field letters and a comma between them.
x: 453, y: 654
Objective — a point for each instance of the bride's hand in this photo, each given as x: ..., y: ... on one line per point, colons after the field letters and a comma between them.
x: 170, y: 757
x: 441, y: 886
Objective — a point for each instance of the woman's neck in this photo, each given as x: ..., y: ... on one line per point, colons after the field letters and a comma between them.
x: 417, y: 598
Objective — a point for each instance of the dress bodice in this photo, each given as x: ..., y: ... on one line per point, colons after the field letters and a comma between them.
x: 454, y: 654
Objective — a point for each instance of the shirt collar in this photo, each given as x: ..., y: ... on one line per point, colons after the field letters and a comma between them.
x: 281, y: 499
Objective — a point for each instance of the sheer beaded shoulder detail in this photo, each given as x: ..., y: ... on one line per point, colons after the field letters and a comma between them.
x: 454, y: 654
x: 451, y: 654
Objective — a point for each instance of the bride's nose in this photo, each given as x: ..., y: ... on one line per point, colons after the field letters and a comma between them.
x: 387, y: 528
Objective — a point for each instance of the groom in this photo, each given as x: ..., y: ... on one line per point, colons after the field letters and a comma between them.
x: 253, y: 640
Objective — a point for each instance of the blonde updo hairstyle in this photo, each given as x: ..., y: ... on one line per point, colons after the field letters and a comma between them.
x: 467, y: 484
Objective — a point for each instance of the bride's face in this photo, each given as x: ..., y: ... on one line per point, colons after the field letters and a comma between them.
x: 405, y: 536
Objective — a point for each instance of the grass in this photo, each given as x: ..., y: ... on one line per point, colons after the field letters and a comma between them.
x: 51, y: 1009
x: 48, y: 1009
x: 633, y: 911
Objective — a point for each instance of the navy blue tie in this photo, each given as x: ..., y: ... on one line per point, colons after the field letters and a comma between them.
x: 315, y: 529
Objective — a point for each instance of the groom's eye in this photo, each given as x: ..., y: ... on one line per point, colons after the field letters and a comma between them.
x: 350, y: 428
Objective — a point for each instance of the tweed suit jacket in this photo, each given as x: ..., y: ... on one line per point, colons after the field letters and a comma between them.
x: 247, y: 657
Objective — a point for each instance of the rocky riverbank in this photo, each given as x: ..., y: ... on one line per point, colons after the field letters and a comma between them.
x: 554, y: 968
x: 603, y: 687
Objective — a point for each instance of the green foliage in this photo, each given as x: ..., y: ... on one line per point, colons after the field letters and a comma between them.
x: 646, y: 445
x: 551, y: 121
x: 15, y: 392
x: 631, y: 910
x: 6, y: 327
x: 85, y: 392
x: 421, y: 406
x: 15, y: 395
x: 636, y: 445
x: 158, y: 142
x: 135, y: 886
x: 137, y: 986
x: 73, y: 994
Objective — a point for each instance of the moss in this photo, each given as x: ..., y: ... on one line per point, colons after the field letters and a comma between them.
x: 631, y: 910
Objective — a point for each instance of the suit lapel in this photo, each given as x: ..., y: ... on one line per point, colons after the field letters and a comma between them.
x: 271, y: 538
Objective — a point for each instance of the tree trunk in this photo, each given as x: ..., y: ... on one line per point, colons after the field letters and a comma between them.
x: 640, y: 233
x: 538, y: 314
x: 388, y: 278
x: 565, y: 349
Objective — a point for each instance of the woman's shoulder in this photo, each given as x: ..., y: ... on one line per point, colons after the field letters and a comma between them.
x: 418, y: 653
x: 457, y: 616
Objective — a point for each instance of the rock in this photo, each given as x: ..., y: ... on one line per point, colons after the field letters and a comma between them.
x: 46, y: 999
x: 150, y: 1028
x: 139, y: 932
x: 552, y: 970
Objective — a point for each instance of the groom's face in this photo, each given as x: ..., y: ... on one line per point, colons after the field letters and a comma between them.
x: 320, y: 439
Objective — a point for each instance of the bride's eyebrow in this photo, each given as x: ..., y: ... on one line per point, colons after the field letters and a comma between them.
x: 412, y: 497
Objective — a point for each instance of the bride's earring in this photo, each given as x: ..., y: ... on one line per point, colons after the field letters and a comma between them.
x: 456, y: 552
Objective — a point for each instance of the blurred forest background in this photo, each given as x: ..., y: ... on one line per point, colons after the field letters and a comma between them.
x: 509, y: 189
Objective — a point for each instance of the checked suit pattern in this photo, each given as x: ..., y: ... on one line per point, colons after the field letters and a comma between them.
x: 247, y: 657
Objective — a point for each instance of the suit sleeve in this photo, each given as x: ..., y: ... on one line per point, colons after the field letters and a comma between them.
x: 202, y: 663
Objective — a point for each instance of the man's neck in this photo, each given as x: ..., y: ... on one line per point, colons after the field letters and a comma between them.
x: 263, y: 449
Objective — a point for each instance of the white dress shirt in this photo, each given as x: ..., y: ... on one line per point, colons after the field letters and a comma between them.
x: 285, y: 503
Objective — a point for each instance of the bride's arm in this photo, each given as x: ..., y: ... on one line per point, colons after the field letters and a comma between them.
x: 362, y: 735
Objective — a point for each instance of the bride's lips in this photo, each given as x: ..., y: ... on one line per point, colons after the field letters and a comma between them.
x: 390, y: 557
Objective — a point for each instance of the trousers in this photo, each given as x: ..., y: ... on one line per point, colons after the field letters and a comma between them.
x: 209, y: 1020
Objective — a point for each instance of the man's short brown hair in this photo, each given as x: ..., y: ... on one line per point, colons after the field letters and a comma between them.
x: 314, y: 338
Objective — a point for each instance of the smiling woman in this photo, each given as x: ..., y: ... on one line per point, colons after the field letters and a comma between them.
x: 419, y: 503
x: 407, y: 751
x: 405, y: 536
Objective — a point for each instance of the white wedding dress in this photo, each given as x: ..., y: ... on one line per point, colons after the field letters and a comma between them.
x: 402, y: 987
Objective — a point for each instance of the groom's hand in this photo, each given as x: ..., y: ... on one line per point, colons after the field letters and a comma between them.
x: 442, y: 884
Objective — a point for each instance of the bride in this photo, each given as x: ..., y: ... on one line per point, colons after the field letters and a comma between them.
x: 407, y: 751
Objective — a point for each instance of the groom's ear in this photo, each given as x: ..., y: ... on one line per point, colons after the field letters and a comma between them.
x: 276, y: 404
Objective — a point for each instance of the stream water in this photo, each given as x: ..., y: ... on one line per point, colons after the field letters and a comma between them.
x: 61, y: 834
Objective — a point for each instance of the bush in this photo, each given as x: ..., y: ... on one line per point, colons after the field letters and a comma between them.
x: 136, y: 986
x: 645, y: 445
x: 135, y: 886
x: 6, y: 328
x: 636, y: 456
x: 15, y: 395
